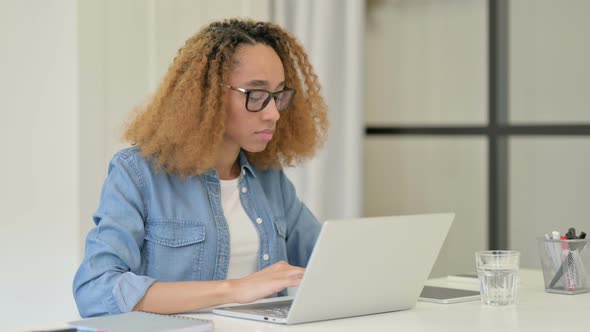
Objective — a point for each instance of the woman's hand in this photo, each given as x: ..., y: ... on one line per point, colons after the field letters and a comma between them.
x: 185, y: 296
x: 263, y: 283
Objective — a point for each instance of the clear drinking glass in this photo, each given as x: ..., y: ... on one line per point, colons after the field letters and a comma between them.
x: 498, y: 276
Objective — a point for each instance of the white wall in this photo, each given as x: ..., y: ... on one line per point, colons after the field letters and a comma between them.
x: 549, y: 52
x: 71, y: 71
x: 39, y: 243
x: 409, y: 175
x: 426, y: 62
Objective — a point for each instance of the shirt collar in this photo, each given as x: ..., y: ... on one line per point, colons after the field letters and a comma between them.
x: 244, y: 164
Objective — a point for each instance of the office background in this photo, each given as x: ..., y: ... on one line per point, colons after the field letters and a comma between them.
x: 431, y: 72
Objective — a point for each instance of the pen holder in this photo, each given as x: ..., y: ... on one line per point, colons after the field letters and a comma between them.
x: 565, y: 265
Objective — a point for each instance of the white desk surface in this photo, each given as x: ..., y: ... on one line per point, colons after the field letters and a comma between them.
x: 535, y: 310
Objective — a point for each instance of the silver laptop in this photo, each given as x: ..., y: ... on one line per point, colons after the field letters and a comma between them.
x: 359, y: 267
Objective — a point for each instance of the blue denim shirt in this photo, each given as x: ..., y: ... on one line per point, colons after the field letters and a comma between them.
x: 152, y: 226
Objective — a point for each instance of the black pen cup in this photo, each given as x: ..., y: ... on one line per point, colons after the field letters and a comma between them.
x: 565, y: 264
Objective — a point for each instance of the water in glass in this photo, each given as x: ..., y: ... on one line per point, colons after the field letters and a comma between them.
x: 497, y: 286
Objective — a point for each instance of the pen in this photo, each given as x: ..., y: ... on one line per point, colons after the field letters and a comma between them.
x: 582, y: 274
x: 551, y: 251
x: 571, y: 234
x: 566, y: 256
x: 559, y: 273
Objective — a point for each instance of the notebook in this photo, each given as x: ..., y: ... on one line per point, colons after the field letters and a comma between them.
x: 359, y: 267
x: 144, y: 322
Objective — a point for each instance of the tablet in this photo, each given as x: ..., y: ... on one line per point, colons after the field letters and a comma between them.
x: 447, y: 295
x: 464, y: 278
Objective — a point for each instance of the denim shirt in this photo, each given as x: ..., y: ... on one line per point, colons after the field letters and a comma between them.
x: 152, y: 226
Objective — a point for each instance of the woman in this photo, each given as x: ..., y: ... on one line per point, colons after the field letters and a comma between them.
x: 198, y: 212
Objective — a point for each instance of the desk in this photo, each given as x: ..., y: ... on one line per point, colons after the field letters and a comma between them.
x: 535, y: 311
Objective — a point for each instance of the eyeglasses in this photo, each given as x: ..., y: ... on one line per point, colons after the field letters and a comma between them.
x: 257, y: 99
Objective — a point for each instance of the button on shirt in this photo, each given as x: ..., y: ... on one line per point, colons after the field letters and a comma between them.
x: 152, y: 226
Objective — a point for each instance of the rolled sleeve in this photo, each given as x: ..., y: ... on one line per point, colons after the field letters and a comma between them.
x: 130, y: 289
x: 107, y: 280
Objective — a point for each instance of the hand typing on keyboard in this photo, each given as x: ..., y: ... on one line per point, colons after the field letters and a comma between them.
x: 266, y: 282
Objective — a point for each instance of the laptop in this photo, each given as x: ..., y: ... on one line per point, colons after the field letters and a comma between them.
x: 359, y: 267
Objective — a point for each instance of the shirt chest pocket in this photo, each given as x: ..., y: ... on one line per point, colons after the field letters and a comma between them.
x: 173, y: 249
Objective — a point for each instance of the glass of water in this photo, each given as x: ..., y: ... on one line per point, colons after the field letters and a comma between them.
x: 498, y: 276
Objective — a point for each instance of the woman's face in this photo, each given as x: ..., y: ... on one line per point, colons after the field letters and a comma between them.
x: 255, y: 67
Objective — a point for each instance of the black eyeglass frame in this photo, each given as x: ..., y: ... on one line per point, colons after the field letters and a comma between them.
x: 274, y: 95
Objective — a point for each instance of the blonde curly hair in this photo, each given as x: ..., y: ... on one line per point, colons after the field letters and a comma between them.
x: 183, y: 125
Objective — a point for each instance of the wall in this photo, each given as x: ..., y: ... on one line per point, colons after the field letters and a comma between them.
x: 39, y: 193
x: 72, y: 71
x: 426, y: 65
x: 549, y: 84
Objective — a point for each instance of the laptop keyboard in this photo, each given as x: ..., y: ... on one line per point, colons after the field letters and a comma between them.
x: 279, y: 312
x: 276, y: 309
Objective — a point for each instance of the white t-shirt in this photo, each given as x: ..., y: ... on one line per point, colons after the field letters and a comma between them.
x: 244, y: 241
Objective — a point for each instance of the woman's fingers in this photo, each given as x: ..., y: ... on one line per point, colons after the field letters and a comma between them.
x: 268, y: 281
